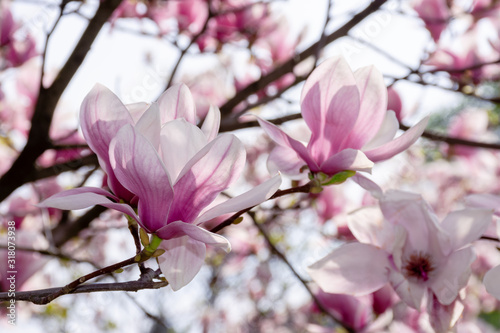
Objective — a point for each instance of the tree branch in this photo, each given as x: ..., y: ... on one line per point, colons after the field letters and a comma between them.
x: 38, y: 139
x: 289, y: 65
x: 33, y: 295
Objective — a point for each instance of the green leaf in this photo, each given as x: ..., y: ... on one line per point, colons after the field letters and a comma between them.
x: 340, y: 177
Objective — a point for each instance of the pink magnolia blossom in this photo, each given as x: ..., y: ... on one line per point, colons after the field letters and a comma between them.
x: 234, y: 20
x: 435, y: 14
x: 173, y: 172
x: 349, y: 122
x: 463, y: 60
x: 470, y: 124
x: 13, y: 51
x: 421, y: 258
x: 26, y: 263
x: 358, y: 312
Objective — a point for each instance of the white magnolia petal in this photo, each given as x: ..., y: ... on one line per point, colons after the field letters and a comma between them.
x: 180, y: 141
x: 338, y: 273
x: 84, y: 197
x: 181, y: 261
x: 211, y: 123
x: 453, y: 275
x: 465, y: 226
x: 176, y: 103
x: 149, y: 125
x: 491, y: 281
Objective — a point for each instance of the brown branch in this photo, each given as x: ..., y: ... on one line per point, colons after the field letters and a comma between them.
x: 453, y: 140
x: 38, y: 139
x: 232, y: 126
x: 32, y: 296
x: 64, y: 232
x: 288, y: 66
x: 56, y: 169
x: 299, y: 189
x: 283, y: 258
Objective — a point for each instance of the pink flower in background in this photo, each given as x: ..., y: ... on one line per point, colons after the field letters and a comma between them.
x: 463, y: 58
x: 435, y: 14
x: 358, y: 313
x: 27, y: 263
x: 234, y: 20
x: 13, y: 51
x: 469, y: 124
x: 349, y: 122
x: 421, y: 258
x: 191, y: 15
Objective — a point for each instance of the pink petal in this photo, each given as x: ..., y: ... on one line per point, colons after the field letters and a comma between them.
x: 178, y: 229
x: 452, y: 275
x: 149, y: 125
x: 285, y: 160
x: 207, y: 174
x: 136, y: 110
x: 180, y: 141
x: 355, y: 269
x: 386, y: 132
x: 411, y: 293
x: 347, y: 159
x: 211, y: 123
x: 248, y: 199
x: 368, y: 185
x: 484, y: 200
x: 181, y: 261
x: 410, y: 211
x: 102, y: 114
x: 139, y: 168
x: 464, y: 227
x: 443, y: 317
x: 282, y: 139
x: 330, y: 106
x: 373, y: 107
x: 399, y: 144
x: 177, y: 102
x: 84, y: 197
x: 491, y: 281
x: 369, y: 227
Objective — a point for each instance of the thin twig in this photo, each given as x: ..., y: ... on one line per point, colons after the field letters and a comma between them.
x: 288, y: 66
x: 283, y: 258
x: 33, y: 295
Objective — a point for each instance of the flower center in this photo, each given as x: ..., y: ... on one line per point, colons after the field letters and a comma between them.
x: 418, y: 266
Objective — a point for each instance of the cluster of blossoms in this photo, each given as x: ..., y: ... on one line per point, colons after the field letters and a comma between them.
x: 14, y: 50
x: 403, y: 244
x: 465, y: 57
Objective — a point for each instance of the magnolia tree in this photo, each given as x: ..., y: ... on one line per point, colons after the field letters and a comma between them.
x: 249, y: 166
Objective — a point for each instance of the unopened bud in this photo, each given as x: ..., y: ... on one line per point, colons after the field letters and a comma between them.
x: 144, y: 237
x: 238, y: 220
x: 158, y: 253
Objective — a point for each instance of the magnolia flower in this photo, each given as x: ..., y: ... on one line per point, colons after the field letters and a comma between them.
x: 421, y: 258
x: 26, y: 264
x: 349, y: 122
x: 172, y: 173
x: 435, y: 14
